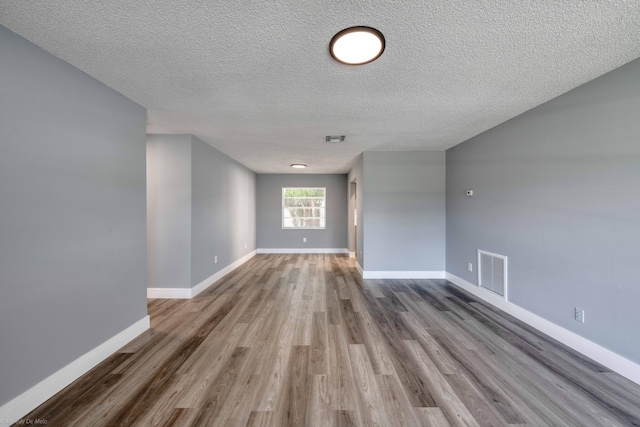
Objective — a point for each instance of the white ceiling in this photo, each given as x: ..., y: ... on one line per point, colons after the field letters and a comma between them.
x: 254, y: 78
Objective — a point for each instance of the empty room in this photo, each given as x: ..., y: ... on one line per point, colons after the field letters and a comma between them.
x: 307, y: 213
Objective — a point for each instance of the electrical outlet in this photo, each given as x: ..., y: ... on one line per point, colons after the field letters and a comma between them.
x: 470, y: 266
x: 245, y: 245
x: 579, y: 315
x: 304, y: 240
x: 215, y: 259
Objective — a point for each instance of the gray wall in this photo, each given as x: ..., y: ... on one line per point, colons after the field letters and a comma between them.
x: 269, y: 212
x: 201, y: 204
x: 223, y: 212
x: 404, y: 202
x: 557, y: 191
x: 168, y: 211
x: 72, y: 214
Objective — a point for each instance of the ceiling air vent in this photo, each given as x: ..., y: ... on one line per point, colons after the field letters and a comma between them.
x: 334, y: 138
x: 492, y: 272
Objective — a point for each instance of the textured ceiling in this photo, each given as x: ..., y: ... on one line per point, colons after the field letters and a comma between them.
x: 255, y: 78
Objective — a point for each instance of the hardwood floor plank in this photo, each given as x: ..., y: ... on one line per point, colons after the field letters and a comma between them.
x: 396, y: 405
x: 404, y: 366
x: 508, y: 392
x: 162, y: 408
x: 318, y: 359
x: 333, y: 307
x: 350, y: 322
x: 370, y: 405
x: 151, y: 389
x: 261, y: 419
x: 304, y: 323
x: 341, y: 377
x: 82, y: 393
x: 588, y: 378
x: 302, y: 340
x: 476, y: 400
x: 378, y: 352
x: 547, y: 387
x: 432, y: 417
x: 319, y: 412
x: 451, y: 404
x: 394, y: 319
x: 446, y: 364
x: 295, y: 409
x: 241, y: 398
x: 218, y: 392
x: 343, y: 419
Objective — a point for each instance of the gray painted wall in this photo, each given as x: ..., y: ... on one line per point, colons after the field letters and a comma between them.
x: 202, y: 204
x: 168, y: 211
x: 404, y: 201
x: 556, y: 190
x: 269, y: 212
x: 72, y: 214
x: 223, y: 211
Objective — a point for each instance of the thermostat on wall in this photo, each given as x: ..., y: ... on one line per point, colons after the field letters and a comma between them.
x: 469, y: 193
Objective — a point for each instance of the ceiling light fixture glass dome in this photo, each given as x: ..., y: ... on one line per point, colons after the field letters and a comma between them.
x: 357, y: 45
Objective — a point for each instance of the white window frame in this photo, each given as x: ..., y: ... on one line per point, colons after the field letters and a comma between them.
x: 282, y: 208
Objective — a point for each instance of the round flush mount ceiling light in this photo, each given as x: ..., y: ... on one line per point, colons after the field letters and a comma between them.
x: 357, y: 45
x: 298, y: 166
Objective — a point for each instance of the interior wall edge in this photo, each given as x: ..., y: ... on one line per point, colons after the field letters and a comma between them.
x: 188, y: 293
x: 369, y: 274
x: 602, y: 355
x: 21, y: 405
x: 303, y: 251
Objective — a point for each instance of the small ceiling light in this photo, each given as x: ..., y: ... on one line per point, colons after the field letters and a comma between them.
x: 357, y: 45
x: 298, y: 166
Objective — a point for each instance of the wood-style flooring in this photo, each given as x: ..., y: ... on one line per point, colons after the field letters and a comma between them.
x: 301, y: 340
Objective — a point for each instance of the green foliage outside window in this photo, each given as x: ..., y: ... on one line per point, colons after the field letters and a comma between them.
x: 303, y: 207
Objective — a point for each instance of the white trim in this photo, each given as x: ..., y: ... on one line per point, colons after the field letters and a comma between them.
x: 321, y: 218
x: 403, y: 275
x: 303, y: 251
x: 169, y: 293
x: 220, y: 274
x: 359, y: 268
x: 20, y: 406
x: 352, y: 254
x: 188, y: 293
x: 604, y: 356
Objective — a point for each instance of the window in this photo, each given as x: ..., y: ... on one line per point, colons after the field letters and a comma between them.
x: 303, y: 207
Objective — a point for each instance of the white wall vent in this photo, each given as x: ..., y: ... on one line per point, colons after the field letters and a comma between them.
x: 492, y: 272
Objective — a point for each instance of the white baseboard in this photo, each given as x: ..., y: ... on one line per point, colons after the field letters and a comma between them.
x: 352, y: 254
x: 359, y: 268
x: 169, y: 293
x: 220, y: 274
x: 303, y: 251
x: 20, y: 406
x: 403, y: 274
x: 606, y: 357
x: 187, y: 293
